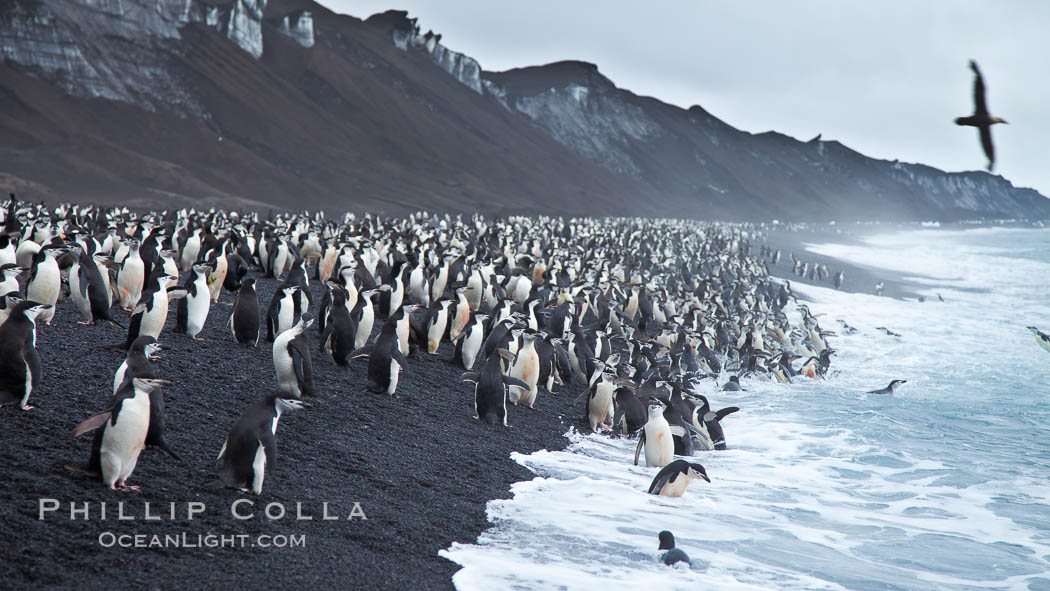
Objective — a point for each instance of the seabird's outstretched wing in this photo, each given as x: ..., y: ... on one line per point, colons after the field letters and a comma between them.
x: 979, y: 107
x: 986, y: 142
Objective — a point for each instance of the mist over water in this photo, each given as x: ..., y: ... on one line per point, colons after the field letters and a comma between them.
x: 945, y: 485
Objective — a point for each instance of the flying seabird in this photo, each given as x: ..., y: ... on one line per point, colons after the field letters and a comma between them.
x: 981, y: 119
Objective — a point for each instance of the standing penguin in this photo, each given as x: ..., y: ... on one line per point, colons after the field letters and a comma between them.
x: 385, y: 359
x: 88, y: 290
x: 45, y: 282
x: 291, y: 361
x: 285, y: 310
x: 137, y: 365
x: 468, y: 343
x: 527, y: 369
x: 151, y: 313
x: 125, y: 426
x: 130, y: 277
x: 244, y: 319
x: 19, y: 362
x: 656, y: 437
x: 192, y: 310
x: 490, y: 388
x: 338, y: 337
x: 250, y: 449
x: 436, y: 324
x: 461, y: 315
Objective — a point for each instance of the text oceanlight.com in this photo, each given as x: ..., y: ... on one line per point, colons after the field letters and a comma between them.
x: 108, y: 539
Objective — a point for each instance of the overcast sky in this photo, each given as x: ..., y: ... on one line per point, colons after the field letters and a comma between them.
x: 885, y: 78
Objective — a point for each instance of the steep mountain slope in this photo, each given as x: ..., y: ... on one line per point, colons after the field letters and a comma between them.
x: 283, y: 103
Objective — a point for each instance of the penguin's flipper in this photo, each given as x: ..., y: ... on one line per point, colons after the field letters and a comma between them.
x: 581, y: 396
x: 175, y: 293
x: 515, y: 382
x: 92, y: 423
x: 303, y: 369
x: 470, y: 376
x: 398, y: 356
x: 721, y: 414
x: 326, y: 334
x: 662, y: 478
x: 362, y: 352
x: 269, y: 444
x: 638, y: 450
x: 82, y: 275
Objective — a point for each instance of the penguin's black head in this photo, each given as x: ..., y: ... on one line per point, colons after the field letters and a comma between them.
x: 697, y: 471
x: 666, y: 540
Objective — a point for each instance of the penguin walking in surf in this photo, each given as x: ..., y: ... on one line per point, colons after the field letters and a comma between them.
x: 674, y: 478
x: 19, y: 361
x: 656, y: 437
x: 250, y: 449
x: 672, y: 554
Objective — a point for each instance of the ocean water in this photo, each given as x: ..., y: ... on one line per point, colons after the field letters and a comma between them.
x: 945, y: 485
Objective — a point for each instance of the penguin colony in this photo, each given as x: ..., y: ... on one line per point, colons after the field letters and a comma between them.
x: 639, y: 312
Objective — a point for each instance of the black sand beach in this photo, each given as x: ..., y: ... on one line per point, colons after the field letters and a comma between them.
x: 420, y: 466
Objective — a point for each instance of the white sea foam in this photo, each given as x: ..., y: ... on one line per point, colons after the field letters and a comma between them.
x: 941, y: 486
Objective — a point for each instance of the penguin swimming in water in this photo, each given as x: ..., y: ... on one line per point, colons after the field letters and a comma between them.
x: 733, y: 385
x: 890, y: 389
x: 490, y: 388
x: 674, y: 478
x: 250, y: 449
x: 244, y: 318
x: 291, y: 361
x: 1041, y: 337
x: 673, y: 554
x: 124, y: 429
x: 19, y: 361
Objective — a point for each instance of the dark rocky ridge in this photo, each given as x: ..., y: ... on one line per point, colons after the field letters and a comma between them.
x: 420, y: 466
x: 283, y: 103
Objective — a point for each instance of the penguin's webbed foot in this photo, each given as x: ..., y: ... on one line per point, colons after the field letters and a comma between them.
x: 26, y: 407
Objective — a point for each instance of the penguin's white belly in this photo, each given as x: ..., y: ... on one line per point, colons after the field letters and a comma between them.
x: 122, y: 443
x: 258, y: 468
x: 286, y: 374
x: 197, y: 311
x: 364, y: 328
x: 129, y: 282
x: 285, y: 315
x: 434, y: 334
x: 675, y: 488
x: 659, y: 445
x: 600, y: 405
x: 118, y: 378
x: 83, y: 303
x: 153, y: 321
x: 471, y: 347
x: 395, y: 371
